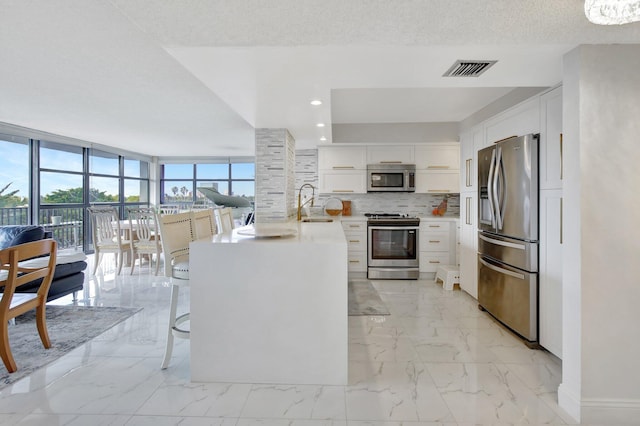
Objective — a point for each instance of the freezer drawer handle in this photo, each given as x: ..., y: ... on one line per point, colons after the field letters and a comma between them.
x: 502, y: 271
x: 503, y: 243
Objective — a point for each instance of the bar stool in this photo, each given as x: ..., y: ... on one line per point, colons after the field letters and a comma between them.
x: 176, y: 232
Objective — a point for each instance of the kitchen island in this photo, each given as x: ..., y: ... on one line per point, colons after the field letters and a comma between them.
x: 270, y: 309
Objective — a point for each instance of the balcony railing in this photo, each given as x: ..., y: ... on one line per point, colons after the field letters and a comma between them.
x: 68, y: 230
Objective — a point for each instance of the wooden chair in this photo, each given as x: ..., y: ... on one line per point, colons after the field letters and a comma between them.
x: 144, y: 239
x: 176, y: 232
x: 224, y: 219
x: 13, y: 304
x: 107, y: 235
x: 204, y: 223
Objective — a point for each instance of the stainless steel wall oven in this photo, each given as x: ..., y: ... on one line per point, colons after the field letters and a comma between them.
x: 392, y: 247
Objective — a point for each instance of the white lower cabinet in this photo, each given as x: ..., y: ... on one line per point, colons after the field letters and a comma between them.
x: 355, y: 231
x: 437, y: 244
x: 550, y: 277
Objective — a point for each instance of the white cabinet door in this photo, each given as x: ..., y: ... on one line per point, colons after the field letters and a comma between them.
x: 468, y: 243
x: 550, y: 279
x: 470, y: 142
x: 390, y: 154
x: 438, y: 181
x: 342, y: 182
x: 438, y: 156
x: 551, y: 140
x: 520, y: 120
x: 342, y: 158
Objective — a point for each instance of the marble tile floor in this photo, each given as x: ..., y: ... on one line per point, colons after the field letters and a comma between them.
x: 436, y: 360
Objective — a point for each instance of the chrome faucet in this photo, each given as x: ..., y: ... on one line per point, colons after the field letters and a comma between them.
x: 300, y: 203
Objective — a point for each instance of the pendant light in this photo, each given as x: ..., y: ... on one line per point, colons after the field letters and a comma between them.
x: 612, y: 12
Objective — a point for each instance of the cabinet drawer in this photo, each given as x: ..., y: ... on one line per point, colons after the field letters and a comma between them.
x: 434, y: 241
x: 357, y: 241
x: 434, y: 226
x: 357, y: 261
x: 353, y: 226
x: 429, y: 261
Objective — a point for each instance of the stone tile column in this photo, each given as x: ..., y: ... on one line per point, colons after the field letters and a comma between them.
x: 275, y: 175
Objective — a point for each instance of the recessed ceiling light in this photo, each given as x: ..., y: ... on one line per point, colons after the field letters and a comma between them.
x: 323, y: 139
x: 316, y: 102
x: 320, y: 124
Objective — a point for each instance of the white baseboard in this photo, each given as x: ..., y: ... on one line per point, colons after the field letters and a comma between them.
x: 569, y: 401
x: 599, y: 411
x: 611, y: 411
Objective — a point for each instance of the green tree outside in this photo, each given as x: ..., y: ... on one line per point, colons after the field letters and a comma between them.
x: 10, y: 199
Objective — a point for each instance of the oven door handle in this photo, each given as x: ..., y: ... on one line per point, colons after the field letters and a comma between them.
x: 395, y: 227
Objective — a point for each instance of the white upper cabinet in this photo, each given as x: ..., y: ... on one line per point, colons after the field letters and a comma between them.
x: 390, y: 154
x: 436, y: 156
x: 342, y: 157
x: 517, y: 121
x: 551, y: 139
x: 342, y: 182
x: 438, y: 181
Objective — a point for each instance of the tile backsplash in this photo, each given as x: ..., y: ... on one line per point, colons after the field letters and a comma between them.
x: 306, y: 169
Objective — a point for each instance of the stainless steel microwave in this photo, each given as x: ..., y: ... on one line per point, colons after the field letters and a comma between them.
x: 391, y: 178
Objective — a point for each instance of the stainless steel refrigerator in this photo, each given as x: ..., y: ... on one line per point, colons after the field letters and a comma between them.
x: 508, y: 234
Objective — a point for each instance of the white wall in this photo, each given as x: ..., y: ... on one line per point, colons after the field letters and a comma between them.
x: 395, y: 133
x: 601, y: 374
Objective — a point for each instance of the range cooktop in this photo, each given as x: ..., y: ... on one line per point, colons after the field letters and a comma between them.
x: 392, y: 219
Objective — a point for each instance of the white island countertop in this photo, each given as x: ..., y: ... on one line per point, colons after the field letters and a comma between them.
x: 272, y: 309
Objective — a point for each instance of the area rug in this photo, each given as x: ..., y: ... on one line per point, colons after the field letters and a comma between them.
x: 364, y: 299
x: 69, y: 327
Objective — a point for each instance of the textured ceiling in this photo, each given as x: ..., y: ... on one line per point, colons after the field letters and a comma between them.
x: 194, y: 77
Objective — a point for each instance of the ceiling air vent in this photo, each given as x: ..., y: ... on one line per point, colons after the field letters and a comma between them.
x: 462, y: 68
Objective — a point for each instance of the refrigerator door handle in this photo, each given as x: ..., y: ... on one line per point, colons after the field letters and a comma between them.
x: 502, y: 243
x: 496, y: 195
x: 502, y: 270
x: 489, y: 192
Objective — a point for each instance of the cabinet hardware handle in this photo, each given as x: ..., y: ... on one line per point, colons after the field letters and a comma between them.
x: 468, y: 210
x: 391, y: 162
x: 437, y: 167
x: 342, y: 190
x: 561, y: 214
x: 354, y: 226
x: 468, y: 171
x: 434, y: 226
x: 438, y: 190
x: 354, y: 261
x: 343, y: 167
x: 434, y: 241
x: 434, y: 261
x: 561, y: 159
x: 354, y: 241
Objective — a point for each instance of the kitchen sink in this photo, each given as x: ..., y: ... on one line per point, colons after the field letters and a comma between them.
x: 317, y: 219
